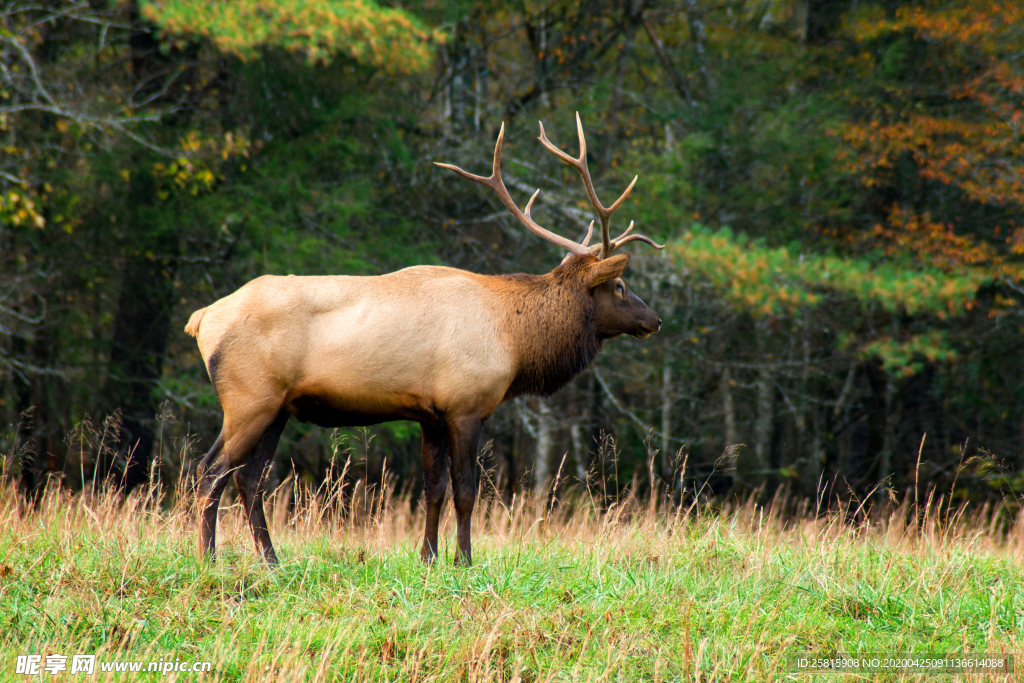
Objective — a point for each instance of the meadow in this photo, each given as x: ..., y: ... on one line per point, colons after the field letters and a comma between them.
x: 637, y: 592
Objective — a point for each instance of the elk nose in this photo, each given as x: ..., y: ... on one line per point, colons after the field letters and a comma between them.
x: 659, y: 325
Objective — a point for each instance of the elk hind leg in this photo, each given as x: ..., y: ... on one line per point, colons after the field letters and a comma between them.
x: 211, y: 483
x: 230, y: 450
x: 250, y: 478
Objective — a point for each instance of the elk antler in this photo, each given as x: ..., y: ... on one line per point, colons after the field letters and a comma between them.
x: 495, y: 183
x: 607, y: 245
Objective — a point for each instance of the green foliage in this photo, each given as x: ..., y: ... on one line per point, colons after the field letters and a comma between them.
x: 770, y: 281
x: 17, y: 208
x: 384, y: 38
x: 909, y: 357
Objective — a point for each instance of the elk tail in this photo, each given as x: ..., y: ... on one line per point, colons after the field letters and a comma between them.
x: 192, y: 327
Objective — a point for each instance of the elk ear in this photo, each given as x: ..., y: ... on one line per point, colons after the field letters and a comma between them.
x: 608, y: 269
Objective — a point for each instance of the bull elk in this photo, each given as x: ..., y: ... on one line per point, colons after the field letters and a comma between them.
x: 439, y: 346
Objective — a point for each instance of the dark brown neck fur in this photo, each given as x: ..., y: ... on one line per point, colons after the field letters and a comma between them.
x: 551, y: 321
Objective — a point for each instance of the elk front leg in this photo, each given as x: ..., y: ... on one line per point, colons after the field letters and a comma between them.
x: 435, y: 486
x: 463, y: 442
x: 250, y: 479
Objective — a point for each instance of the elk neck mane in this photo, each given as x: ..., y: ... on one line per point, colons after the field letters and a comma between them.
x: 550, y: 321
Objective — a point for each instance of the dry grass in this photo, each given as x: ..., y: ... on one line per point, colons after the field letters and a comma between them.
x: 632, y: 594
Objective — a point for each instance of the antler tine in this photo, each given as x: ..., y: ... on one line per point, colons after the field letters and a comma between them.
x: 639, y: 238
x: 529, y: 205
x: 590, y: 233
x: 580, y: 164
x: 495, y: 183
x: 626, y: 238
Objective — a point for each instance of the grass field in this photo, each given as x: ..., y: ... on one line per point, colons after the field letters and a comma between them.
x: 633, y: 595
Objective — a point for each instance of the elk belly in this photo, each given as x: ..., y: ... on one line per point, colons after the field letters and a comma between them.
x: 326, y: 410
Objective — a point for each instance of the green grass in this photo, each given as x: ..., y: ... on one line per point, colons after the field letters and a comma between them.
x: 633, y: 596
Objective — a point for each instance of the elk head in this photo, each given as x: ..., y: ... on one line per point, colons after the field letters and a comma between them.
x: 620, y: 311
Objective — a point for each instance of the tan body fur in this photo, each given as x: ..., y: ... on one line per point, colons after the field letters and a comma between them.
x: 364, y: 349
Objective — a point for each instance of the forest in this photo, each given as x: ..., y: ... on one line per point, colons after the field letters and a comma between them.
x: 839, y: 186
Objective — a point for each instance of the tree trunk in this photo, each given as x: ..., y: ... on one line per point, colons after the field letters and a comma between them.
x: 666, y: 413
x: 580, y: 446
x: 699, y: 39
x: 765, y: 409
x: 545, y: 445
x: 143, y: 316
x: 596, y: 412
x: 26, y: 400
x: 579, y: 452
x: 810, y: 468
x: 729, y: 409
x: 514, y: 457
x: 876, y: 459
x: 813, y: 481
x: 763, y: 426
x: 732, y: 439
x: 840, y: 465
x: 136, y: 360
x: 38, y: 414
x: 885, y: 459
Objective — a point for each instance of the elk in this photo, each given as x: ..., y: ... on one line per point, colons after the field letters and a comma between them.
x: 439, y: 346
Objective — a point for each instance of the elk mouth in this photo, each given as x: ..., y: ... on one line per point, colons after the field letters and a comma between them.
x: 645, y: 330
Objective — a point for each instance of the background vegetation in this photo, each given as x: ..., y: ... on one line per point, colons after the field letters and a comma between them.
x: 840, y: 185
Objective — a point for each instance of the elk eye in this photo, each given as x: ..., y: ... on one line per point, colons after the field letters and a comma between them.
x: 619, y: 288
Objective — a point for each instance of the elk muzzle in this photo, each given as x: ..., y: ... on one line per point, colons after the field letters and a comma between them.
x: 645, y: 328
